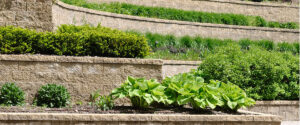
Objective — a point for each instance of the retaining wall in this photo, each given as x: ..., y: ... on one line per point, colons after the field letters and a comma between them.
x: 80, y: 75
x: 67, y: 14
x: 288, y: 110
x: 136, y: 119
x: 270, y: 11
x: 35, y: 14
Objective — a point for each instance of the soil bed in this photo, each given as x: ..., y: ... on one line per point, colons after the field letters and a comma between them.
x: 115, y: 110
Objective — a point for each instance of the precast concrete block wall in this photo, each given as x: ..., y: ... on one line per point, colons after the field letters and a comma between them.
x: 270, y: 11
x: 80, y: 75
x: 68, y: 14
x: 34, y: 14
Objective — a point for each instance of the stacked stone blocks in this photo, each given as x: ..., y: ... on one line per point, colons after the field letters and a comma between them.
x: 34, y: 14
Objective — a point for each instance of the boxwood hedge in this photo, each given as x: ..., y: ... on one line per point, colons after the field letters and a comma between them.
x: 74, y: 41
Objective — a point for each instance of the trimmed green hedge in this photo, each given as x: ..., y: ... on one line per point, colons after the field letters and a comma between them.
x: 74, y: 41
x: 264, y: 75
x: 183, y: 15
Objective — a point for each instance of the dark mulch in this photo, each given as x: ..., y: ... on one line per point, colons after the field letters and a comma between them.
x: 115, y: 110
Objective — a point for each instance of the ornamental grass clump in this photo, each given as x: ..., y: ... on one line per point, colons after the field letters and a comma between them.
x: 11, y: 95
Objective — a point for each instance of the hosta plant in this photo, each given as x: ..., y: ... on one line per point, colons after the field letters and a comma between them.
x: 178, y: 83
x: 232, y: 96
x: 141, y: 92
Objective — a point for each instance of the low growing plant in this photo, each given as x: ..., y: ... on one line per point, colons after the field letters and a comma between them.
x: 141, y: 92
x: 52, y: 96
x: 11, y: 95
x: 101, y: 102
x: 105, y: 103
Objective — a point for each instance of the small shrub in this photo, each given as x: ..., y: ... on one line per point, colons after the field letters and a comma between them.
x: 101, y: 102
x: 11, y: 95
x: 105, y: 103
x: 52, y: 96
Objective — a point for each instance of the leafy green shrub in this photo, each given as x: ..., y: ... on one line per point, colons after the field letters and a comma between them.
x: 73, y: 40
x: 11, y: 95
x: 264, y: 75
x: 141, y: 92
x: 52, y: 96
x: 183, y: 15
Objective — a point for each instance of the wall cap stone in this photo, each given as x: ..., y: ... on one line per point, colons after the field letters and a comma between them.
x: 178, y: 62
x: 280, y: 102
x: 136, y: 117
x: 262, y: 4
x: 153, y: 20
x: 81, y: 59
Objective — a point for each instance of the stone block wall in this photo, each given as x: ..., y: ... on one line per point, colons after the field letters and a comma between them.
x: 270, y: 11
x: 171, y: 67
x: 80, y: 75
x: 68, y: 14
x: 35, y: 14
x: 288, y: 110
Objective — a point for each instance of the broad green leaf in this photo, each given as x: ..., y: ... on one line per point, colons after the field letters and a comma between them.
x: 182, y: 100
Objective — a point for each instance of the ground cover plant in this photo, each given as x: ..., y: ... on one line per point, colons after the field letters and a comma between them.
x: 101, y: 102
x: 183, y: 15
x: 196, y: 48
x: 11, y: 95
x: 264, y: 75
x: 52, y: 96
x: 74, y: 41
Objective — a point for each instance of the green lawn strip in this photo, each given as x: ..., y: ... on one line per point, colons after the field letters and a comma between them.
x: 182, y: 15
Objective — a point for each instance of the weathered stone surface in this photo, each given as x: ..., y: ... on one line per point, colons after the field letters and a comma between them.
x: 126, y: 119
x: 33, y: 14
x: 288, y: 110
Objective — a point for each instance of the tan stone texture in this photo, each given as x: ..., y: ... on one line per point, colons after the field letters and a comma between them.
x: 67, y: 14
x: 133, y: 119
x: 269, y: 11
x: 288, y: 110
x: 33, y: 14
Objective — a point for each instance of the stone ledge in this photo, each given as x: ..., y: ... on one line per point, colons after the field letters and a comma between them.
x: 129, y: 17
x: 281, y: 102
x: 83, y: 59
x: 177, y: 62
x: 262, y: 4
x: 257, y: 117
